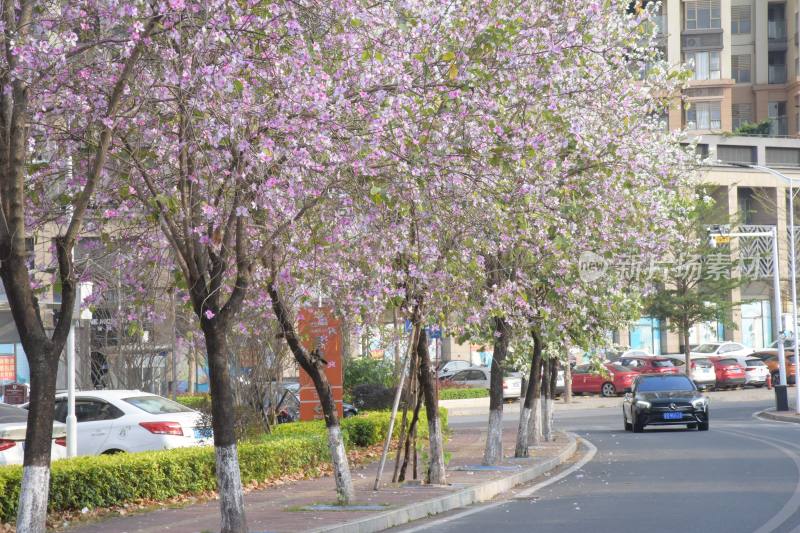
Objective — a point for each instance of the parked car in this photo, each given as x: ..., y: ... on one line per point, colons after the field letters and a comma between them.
x: 474, y: 378
x: 649, y: 364
x: 479, y: 377
x: 709, y: 349
x: 730, y: 374
x: 560, y: 383
x: 612, y: 355
x: 702, y: 370
x: 616, y: 380
x: 13, y: 424
x: 113, y: 421
x: 448, y: 368
x: 788, y: 344
x: 770, y: 358
x: 755, y: 370
x: 664, y: 400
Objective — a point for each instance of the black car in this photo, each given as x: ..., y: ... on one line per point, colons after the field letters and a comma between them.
x: 664, y: 400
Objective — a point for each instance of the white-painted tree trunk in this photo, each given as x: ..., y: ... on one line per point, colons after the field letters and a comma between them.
x: 341, y: 468
x: 547, y: 419
x: 493, y: 452
x: 32, y: 513
x: 535, y: 423
x: 521, y: 449
x: 437, y: 474
x: 229, y: 488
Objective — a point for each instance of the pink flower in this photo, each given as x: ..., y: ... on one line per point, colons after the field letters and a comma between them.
x: 210, y: 314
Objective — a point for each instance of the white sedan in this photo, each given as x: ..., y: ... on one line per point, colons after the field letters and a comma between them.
x: 13, y: 424
x: 112, y: 421
x: 727, y: 349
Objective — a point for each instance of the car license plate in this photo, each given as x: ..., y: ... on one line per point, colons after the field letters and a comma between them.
x: 203, y: 433
x: 673, y: 416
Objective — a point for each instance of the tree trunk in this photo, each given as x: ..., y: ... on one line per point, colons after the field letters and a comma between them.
x: 551, y: 399
x: 410, y: 442
x: 493, y: 452
x: 567, y: 382
x: 229, y: 482
x: 43, y: 355
x: 687, y: 350
x: 436, y: 469
x: 313, y: 364
x: 523, y: 432
x: 192, y: 371
x: 535, y: 424
x: 546, y: 400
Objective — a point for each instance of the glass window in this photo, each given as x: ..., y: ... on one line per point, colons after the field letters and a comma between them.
x: 754, y: 362
x: 704, y: 116
x: 705, y: 65
x: 728, y: 361
x: 703, y: 363
x: 706, y: 348
x: 94, y: 410
x: 740, y: 68
x: 156, y: 405
x: 664, y: 383
x: 740, y: 19
x: 702, y: 14
x: 662, y: 363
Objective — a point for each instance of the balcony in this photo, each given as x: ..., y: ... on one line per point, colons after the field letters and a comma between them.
x: 776, y: 30
x: 778, y: 126
x: 777, y: 74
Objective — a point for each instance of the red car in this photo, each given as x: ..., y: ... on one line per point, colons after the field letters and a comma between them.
x: 730, y: 374
x: 644, y: 364
x: 617, y: 380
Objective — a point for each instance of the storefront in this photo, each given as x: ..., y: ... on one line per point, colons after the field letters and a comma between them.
x: 645, y: 335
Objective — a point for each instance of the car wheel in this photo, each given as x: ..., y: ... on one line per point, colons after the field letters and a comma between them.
x: 637, y: 427
x: 608, y: 390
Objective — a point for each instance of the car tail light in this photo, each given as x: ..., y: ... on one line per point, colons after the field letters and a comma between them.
x: 694, y: 365
x: 61, y: 441
x: 6, y: 444
x: 162, y: 428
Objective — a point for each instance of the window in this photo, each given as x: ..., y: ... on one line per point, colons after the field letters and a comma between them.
x: 664, y: 383
x: 740, y: 19
x: 742, y: 114
x: 776, y: 63
x: 156, y: 405
x: 94, y: 410
x: 705, y: 65
x: 776, y: 111
x: 740, y: 68
x: 703, y: 116
x: 702, y: 14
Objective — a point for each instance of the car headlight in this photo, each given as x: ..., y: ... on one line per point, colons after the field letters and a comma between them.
x: 643, y: 404
x: 700, y: 403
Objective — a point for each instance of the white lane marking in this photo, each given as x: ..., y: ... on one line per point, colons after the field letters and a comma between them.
x: 577, y: 466
x: 791, y: 506
x: 526, y: 493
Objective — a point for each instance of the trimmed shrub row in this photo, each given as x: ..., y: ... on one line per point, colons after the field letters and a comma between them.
x: 109, y: 480
x: 462, y: 394
x: 194, y: 401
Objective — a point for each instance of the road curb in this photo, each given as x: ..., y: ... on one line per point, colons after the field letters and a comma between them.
x: 770, y: 414
x: 463, y: 498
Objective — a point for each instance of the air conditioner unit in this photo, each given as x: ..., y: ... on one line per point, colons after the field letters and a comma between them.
x: 691, y: 42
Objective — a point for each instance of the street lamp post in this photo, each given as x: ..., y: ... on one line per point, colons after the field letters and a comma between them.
x: 793, y: 281
x: 780, y: 395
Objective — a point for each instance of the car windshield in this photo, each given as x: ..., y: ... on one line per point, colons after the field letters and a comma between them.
x: 728, y: 361
x: 706, y: 348
x: 754, y: 362
x: 665, y: 383
x: 9, y: 414
x: 662, y: 363
x: 705, y: 363
x: 156, y: 405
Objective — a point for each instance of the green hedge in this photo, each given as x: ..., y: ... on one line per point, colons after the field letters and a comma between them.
x: 196, y: 401
x: 462, y: 394
x: 109, y: 480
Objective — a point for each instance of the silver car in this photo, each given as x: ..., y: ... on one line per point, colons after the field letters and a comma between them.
x: 702, y: 371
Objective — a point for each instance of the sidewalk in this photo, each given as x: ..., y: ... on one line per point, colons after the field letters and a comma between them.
x: 281, y: 509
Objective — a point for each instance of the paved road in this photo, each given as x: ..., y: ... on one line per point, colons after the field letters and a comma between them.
x: 741, y: 476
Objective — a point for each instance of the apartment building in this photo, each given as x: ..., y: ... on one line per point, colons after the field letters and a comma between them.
x: 745, y: 64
